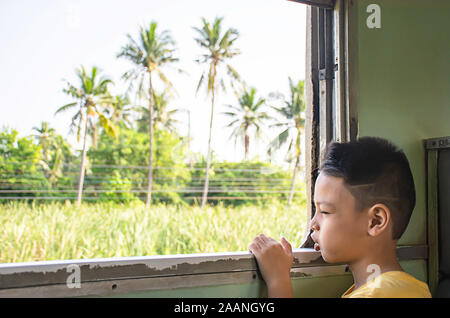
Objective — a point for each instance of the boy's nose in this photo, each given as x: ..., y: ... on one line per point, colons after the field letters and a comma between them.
x: 314, y: 225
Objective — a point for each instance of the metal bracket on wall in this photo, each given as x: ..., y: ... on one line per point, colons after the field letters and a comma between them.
x: 437, y: 143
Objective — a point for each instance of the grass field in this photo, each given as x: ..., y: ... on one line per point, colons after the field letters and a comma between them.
x: 56, y: 231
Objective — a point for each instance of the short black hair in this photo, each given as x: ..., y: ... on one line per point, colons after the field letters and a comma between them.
x: 374, y: 171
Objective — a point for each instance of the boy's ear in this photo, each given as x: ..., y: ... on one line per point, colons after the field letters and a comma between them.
x: 379, y: 219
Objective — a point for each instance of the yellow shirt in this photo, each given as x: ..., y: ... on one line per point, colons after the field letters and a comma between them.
x: 393, y: 284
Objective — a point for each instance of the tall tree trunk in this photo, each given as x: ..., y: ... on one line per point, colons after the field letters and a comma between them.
x: 95, y: 137
x: 208, y: 155
x: 150, y: 155
x: 246, y: 143
x: 294, y: 173
x: 191, y: 162
x: 83, y: 163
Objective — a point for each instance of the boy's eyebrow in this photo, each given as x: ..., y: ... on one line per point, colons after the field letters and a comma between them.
x: 324, y: 202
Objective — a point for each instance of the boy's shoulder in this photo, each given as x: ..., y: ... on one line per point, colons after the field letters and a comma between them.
x: 393, y: 284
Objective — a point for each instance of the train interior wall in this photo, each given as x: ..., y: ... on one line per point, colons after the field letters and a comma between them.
x: 403, y: 87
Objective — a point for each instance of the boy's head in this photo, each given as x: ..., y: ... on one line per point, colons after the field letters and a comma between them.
x: 370, y: 192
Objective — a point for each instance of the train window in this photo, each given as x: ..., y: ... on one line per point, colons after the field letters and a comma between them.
x: 89, y: 143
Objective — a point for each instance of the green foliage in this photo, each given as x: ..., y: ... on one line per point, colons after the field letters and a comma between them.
x: 130, y: 151
x: 250, y: 180
x: 117, y: 164
x: 19, y: 158
x: 26, y: 172
x: 117, y: 171
x: 162, y: 116
x: 56, y: 152
x: 19, y: 149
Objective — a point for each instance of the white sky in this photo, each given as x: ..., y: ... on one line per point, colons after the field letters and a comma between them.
x: 42, y: 42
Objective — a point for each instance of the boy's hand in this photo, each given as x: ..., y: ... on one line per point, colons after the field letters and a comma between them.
x: 275, y: 261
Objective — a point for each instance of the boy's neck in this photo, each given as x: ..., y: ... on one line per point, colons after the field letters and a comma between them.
x: 376, y: 261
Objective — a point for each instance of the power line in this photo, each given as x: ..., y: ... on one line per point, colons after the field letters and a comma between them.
x: 113, y: 198
x: 95, y: 177
x: 262, y: 170
x: 95, y: 183
x: 145, y: 191
x: 125, y: 183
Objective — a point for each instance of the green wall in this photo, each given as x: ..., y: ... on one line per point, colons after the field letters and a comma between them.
x: 404, y: 84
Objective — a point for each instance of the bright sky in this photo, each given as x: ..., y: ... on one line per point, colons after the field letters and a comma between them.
x: 42, y: 42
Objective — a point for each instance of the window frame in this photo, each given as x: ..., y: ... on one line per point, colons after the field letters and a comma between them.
x: 125, y: 275
x: 332, y: 111
x: 327, y: 4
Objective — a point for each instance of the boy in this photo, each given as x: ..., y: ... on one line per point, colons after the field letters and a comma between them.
x: 364, y: 196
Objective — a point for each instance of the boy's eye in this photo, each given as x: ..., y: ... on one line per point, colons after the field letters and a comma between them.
x: 324, y: 212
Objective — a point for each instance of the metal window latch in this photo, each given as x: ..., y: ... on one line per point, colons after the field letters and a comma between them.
x: 323, y: 73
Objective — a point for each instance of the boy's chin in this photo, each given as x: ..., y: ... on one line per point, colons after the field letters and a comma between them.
x: 329, y: 258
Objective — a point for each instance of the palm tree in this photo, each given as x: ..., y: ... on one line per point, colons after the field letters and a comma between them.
x: 292, y: 112
x: 248, y: 114
x: 118, y: 111
x: 219, y: 47
x: 121, y: 111
x: 149, y: 54
x: 61, y: 153
x: 45, y: 135
x: 162, y: 117
x: 92, y: 95
x: 54, y: 151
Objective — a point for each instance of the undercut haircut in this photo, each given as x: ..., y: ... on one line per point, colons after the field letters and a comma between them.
x: 374, y: 171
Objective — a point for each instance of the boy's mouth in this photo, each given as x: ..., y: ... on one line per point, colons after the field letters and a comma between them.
x: 316, y: 247
x: 316, y: 244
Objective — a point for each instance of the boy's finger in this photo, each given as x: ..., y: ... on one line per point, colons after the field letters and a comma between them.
x: 263, y: 238
x: 286, y: 245
x: 254, y: 246
x: 254, y: 249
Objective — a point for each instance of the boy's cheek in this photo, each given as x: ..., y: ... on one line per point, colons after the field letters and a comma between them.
x: 334, y: 254
x: 331, y: 250
x: 341, y: 245
x: 335, y: 242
